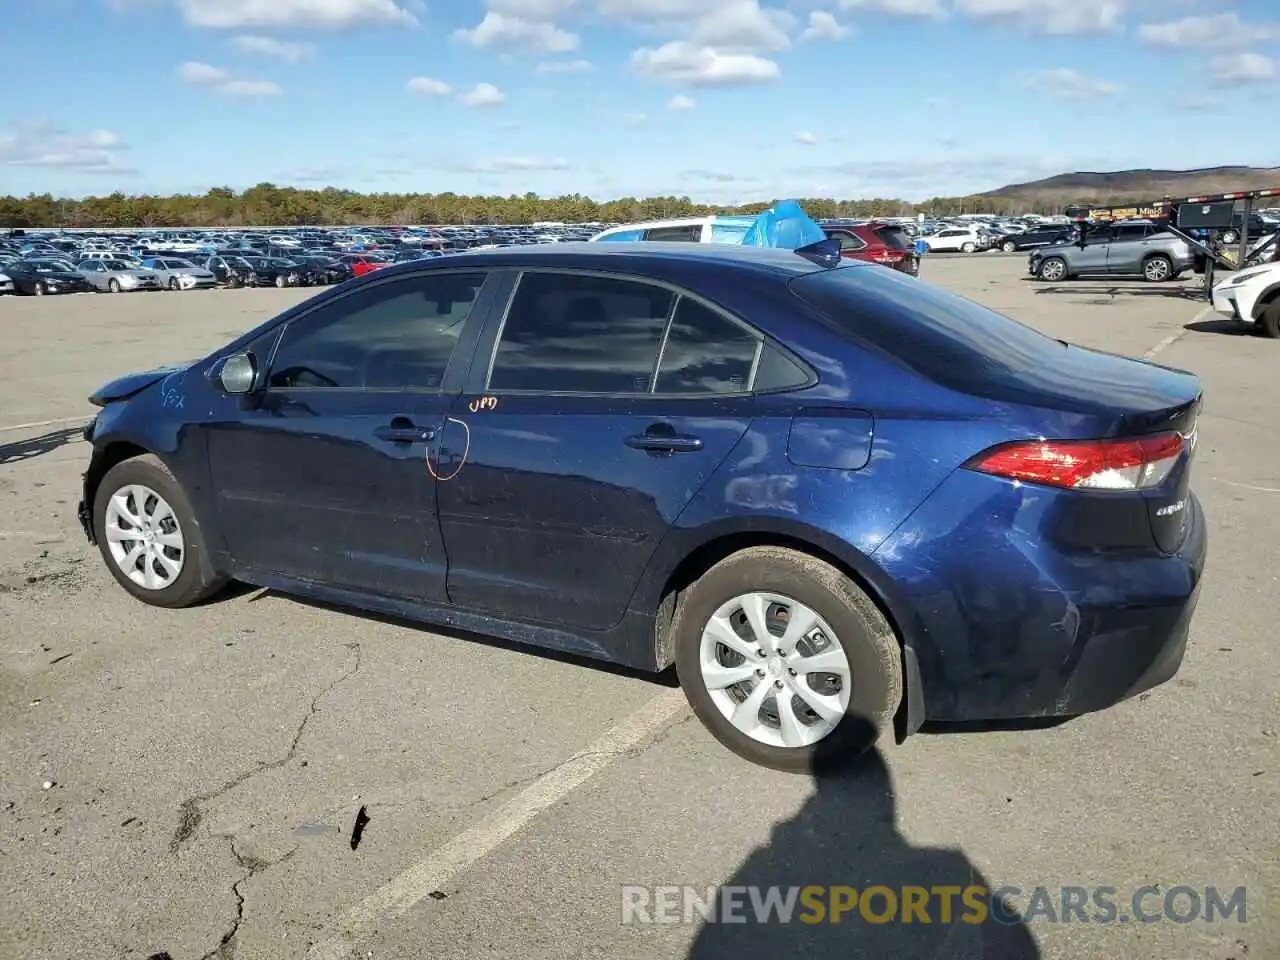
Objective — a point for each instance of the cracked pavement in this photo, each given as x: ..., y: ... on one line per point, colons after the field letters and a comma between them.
x: 206, y: 766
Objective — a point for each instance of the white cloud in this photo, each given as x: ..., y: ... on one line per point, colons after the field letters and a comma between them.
x: 741, y: 26
x: 1056, y: 18
x: 925, y: 9
x: 805, y: 137
x: 286, y: 50
x: 1067, y: 84
x: 683, y: 62
x: 824, y: 26
x: 564, y: 66
x: 42, y: 145
x: 295, y: 14
x: 681, y: 102
x: 429, y: 87
x: 483, y: 95
x: 1244, y: 68
x: 505, y: 164
x: 219, y: 80
x: 635, y: 119
x: 1218, y: 30
x: 501, y: 30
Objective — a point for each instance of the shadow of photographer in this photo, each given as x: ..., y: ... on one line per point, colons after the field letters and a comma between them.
x: 845, y: 837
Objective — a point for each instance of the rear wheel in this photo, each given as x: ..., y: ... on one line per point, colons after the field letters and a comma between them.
x: 280, y: 281
x: 1052, y: 269
x: 967, y: 248
x: 149, y: 537
x: 1157, y: 269
x: 40, y: 289
x: 1009, y: 247
x: 1269, y: 320
x: 786, y: 661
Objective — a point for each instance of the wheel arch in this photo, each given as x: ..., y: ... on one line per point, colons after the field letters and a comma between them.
x: 1265, y: 299
x: 663, y: 591
x: 105, y: 456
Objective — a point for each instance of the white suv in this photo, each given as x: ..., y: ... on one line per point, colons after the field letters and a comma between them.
x: 1252, y: 296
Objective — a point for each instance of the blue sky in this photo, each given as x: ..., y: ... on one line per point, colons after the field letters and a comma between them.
x: 722, y: 100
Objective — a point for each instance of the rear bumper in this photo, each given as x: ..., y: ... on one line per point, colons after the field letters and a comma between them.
x: 1007, y: 625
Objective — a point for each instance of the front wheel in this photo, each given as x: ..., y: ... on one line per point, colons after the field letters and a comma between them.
x: 1052, y: 269
x: 280, y: 281
x: 1009, y: 247
x: 1157, y: 269
x: 113, y: 285
x: 148, y: 535
x: 40, y: 289
x: 786, y: 661
x: 1269, y: 320
x: 173, y: 283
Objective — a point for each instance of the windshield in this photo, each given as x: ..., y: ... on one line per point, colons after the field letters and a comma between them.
x: 950, y: 340
x: 895, y: 238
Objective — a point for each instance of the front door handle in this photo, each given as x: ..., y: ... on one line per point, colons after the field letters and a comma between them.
x: 403, y: 431
x: 656, y: 442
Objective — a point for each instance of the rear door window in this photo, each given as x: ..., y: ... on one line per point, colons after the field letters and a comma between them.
x: 576, y: 333
x: 706, y: 353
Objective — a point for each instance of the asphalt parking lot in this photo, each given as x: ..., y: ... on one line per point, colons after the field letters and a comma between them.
x: 184, y: 783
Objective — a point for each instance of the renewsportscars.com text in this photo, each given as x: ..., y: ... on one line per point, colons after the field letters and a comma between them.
x: 936, y: 904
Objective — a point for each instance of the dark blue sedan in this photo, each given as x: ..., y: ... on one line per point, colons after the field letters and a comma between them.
x: 837, y: 499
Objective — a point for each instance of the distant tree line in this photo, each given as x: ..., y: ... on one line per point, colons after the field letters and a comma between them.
x: 268, y: 204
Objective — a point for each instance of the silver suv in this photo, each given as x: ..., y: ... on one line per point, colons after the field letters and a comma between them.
x: 1136, y: 248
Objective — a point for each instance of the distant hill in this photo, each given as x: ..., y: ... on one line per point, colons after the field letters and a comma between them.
x: 1133, y: 185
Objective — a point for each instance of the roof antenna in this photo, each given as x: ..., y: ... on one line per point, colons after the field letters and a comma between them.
x: 825, y: 253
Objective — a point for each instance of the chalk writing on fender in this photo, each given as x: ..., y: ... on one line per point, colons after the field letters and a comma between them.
x: 483, y: 404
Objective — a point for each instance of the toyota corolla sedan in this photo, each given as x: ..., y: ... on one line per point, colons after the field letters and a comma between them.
x: 116, y: 276
x: 838, y: 500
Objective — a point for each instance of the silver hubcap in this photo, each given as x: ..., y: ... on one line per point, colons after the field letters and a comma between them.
x: 144, y: 537
x: 1157, y: 269
x: 1052, y: 270
x: 775, y: 670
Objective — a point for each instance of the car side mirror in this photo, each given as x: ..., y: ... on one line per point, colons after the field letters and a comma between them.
x: 239, y: 374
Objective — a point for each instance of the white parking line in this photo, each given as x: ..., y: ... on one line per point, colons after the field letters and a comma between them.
x: 83, y: 418
x: 436, y: 869
x: 1175, y: 337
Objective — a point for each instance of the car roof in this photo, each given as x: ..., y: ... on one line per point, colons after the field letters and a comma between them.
x: 636, y: 257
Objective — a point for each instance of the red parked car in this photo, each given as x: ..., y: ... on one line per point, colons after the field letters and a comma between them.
x: 874, y: 242
x: 362, y: 263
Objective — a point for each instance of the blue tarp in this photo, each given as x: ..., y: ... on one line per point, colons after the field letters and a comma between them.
x: 786, y: 226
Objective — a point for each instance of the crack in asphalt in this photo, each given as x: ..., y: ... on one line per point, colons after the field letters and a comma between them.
x: 252, y: 866
x: 190, y: 811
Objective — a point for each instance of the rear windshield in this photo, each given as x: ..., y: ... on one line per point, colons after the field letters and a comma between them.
x: 950, y: 340
x: 895, y: 238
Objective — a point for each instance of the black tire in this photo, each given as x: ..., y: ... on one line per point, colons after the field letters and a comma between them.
x: 233, y: 281
x: 113, y: 285
x: 968, y: 247
x: 1269, y: 320
x: 1009, y: 247
x: 197, y: 580
x: 281, y: 281
x: 173, y: 283
x: 1045, y: 267
x: 1157, y: 269
x: 39, y: 289
x: 867, y: 638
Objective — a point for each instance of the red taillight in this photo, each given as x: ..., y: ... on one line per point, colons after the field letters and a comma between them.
x: 1134, y: 463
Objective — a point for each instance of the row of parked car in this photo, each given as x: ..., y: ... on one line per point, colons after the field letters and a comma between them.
x: 125, y: 273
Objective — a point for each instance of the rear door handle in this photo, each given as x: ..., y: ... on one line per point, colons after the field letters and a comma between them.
x: 397, y: 433
x: 659, y: 443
